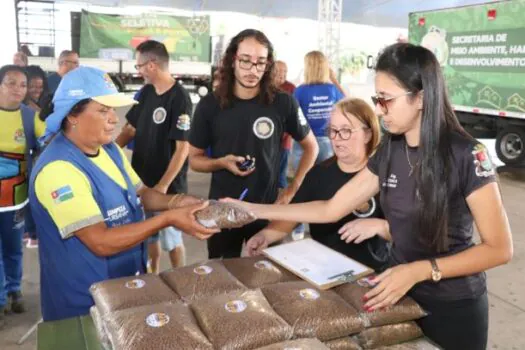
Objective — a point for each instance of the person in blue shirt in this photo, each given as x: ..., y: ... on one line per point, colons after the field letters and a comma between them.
x: 316, y: 98
x: 87, y: 200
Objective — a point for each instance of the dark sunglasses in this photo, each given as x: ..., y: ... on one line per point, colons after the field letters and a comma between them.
x: 384, y: 101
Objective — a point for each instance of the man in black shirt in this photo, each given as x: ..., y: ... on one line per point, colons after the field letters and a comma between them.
x: 246, y: 116
x: 160, y: 125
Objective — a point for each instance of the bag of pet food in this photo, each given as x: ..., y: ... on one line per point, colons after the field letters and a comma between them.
x: 258, y: 271
x: 224, y: 215
x: 392, y: 334
x: 405, y: 310
x: 122, y: 293
x: 201, y: 280
x: 240, y: 320
x: 298, y: 344
x: 313, y: 313
x: 163, y: 326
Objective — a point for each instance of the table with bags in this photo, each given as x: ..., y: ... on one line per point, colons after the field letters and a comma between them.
x: 243, y: 303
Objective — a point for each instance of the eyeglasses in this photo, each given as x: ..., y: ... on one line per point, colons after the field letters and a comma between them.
x: 383, y: 101
x: 140, y: 65
x: 247, y: 64
x: 344, y: 133
x: 74, y: 63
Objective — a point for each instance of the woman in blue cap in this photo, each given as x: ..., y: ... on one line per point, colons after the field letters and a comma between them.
x: 87, y: 200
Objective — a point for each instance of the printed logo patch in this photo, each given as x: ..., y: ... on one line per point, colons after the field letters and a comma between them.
x: 263, y: 128
x: 159, y: 115
x: 302, y: 119
x: 235, y: 306
x: 19, y: 136
x: 62, y: 194
x: 482, y: 161
x: 109, y: 82
x: 183, y: 123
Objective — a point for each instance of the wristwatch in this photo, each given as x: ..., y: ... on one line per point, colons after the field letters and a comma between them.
x: 436, y: 272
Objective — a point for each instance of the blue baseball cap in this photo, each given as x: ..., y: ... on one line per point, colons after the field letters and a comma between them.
x: 80, y: 84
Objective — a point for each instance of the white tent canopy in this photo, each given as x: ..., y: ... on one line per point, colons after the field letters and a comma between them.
x: 384, y: 13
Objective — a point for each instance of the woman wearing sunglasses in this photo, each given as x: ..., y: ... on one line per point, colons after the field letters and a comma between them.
x: 354, y: 135
x: 435, y: 181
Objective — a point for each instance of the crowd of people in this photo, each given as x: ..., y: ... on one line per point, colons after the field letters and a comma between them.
x: 401, y: 200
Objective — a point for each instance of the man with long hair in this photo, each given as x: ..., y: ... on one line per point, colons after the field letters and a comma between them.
x: 243, y: 122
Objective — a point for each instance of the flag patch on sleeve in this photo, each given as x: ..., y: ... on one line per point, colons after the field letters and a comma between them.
x: 62, y: 194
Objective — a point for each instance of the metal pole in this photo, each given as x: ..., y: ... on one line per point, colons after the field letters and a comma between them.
x: 29, y: 332
x: 17, y: 25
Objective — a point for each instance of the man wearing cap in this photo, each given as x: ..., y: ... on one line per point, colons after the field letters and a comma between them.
x: 88, y: 201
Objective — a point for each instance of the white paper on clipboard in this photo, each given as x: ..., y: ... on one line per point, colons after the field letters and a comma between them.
x: 316, y: 263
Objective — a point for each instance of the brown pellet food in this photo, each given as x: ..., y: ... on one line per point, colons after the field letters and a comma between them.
x: 373, y: 338
x: 311, y: 312
x: 201, y: 280
x: 100, y: 328
x: 160, y: 326
x: 405, y: 310
x: 122, y: 293
x: 240, y: 320
x: 418, y: 344
x: 346, y: 343
x: 224, y: 215
x: 298, y: 344
x: 257, y: 272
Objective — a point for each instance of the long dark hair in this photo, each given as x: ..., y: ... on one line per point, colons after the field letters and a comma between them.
x: 224, y: 91
x: 417, y: 70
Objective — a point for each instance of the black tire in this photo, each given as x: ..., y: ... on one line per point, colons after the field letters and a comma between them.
x: 510, y: 143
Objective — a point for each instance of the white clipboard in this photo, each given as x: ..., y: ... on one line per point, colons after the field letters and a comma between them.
x: 314, y: 262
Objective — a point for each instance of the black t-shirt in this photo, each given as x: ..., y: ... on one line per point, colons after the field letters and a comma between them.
x: 471, y: 169
x: 160, y: 120
x: 321, y: 183
x: 247, y: 128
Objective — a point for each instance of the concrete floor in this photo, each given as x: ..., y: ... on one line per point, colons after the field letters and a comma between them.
x: 506, y: 283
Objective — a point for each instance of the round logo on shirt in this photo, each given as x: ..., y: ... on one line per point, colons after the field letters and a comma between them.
x: 159, y: 115
x: 367, y: 209
x: 263, y: 128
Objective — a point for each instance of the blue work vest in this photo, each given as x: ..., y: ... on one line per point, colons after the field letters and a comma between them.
x: 68, y: 267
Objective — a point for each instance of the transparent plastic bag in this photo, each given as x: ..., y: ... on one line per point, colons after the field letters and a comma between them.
x: 122, y: 293
x: 240, y: 320
x: 201, y: 280
x: 257, y: 272
x: 299, y: 344
x: 373, y: 338
x: 100, y: 328
x: 313, y: 313
x: 162, y: 326
x: 346, y: 343
x: 405, y: 310
x: 224, y: 215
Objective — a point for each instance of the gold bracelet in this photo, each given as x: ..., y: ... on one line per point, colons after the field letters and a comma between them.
x: 173, y: 200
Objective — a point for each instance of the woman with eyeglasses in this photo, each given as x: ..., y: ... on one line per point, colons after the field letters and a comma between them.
x: 435, y: 181
x: 362, y: 234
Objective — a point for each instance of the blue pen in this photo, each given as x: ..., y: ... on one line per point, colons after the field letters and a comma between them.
x: 243, y: 194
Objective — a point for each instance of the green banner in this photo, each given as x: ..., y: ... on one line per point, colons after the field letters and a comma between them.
x: 116, y: 37
x: 481, y: 50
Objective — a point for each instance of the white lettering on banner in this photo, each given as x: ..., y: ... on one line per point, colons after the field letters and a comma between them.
x: 144, y: 23
x: 117, y: 213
